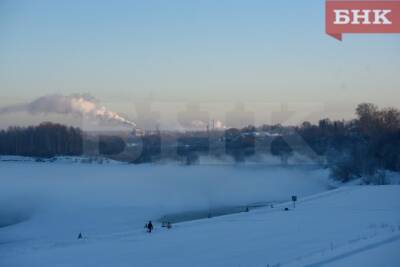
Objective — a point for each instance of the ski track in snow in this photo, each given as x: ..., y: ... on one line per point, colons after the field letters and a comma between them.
x: 355, y: 251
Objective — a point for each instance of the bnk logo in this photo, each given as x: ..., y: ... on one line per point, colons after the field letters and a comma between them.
x: 356, y: 16
x: 362, y: 17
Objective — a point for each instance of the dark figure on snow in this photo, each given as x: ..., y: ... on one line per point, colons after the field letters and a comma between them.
x: 149, y: 227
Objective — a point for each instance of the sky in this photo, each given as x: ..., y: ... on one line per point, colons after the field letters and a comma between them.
x: 170, y: 57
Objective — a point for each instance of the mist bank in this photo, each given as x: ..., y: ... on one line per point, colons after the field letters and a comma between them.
x: 364, y: 147
x: 62, y: 189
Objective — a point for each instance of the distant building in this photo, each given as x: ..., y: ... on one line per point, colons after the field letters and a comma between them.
x: 138, y: 132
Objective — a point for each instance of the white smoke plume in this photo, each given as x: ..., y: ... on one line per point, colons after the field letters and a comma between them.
x: 81, y: 105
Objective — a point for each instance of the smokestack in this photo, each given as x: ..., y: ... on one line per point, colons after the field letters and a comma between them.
x: 81, y: 105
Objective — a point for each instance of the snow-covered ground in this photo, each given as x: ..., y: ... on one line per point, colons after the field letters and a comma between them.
x: 109, y: 204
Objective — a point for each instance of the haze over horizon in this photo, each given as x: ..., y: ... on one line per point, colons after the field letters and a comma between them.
x: 158, y: 62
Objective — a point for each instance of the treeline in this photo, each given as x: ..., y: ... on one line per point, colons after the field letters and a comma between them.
x: 362, y: 147
x: 45, y: 140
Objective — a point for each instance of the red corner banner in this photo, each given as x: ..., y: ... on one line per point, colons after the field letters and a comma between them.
x: 348, y: 16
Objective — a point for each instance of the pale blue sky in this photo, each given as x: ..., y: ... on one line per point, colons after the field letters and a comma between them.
x: 195, y: 51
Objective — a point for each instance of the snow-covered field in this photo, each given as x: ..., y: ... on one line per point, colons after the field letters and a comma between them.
x: 110, y: 203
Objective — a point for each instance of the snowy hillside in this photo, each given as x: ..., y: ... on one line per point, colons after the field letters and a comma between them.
x: 109, y: 205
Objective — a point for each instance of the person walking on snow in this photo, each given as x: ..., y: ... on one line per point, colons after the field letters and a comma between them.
x: 149, y: 227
